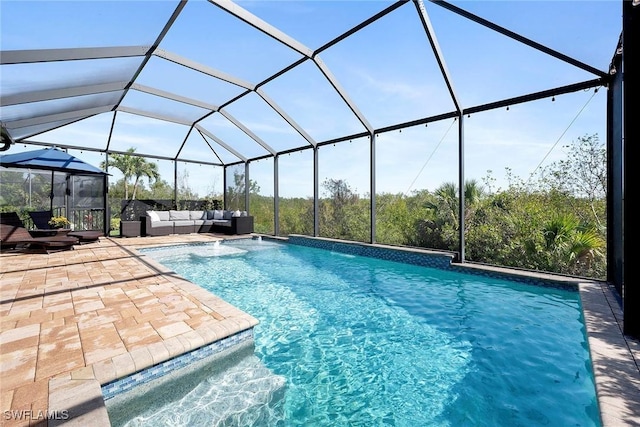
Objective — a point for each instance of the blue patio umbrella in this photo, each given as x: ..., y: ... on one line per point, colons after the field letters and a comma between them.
x: 50, y: 159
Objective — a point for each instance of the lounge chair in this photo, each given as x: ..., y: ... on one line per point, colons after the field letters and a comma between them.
x: 12, y: 218
x: 41, y: 219
x: 16, y: 237
x: 87, y: 236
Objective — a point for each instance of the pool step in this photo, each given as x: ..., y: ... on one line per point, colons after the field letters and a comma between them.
x: 235, y: 390
x: 247, y: 394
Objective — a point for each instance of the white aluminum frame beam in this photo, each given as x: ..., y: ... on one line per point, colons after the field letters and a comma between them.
x: 12, y: 57
x: 209, y: 71
x: 286, y: 117
x: 151, y: 115
x: 49, y: 94
x: 52, y: 118
x: 263, y: 26
x: 174, y: 97
x: 248, y: 131
x: 220, y: 142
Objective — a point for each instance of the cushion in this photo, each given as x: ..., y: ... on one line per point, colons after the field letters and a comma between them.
x: 244, y: 213
x: 226, y: 215
x: 153, y: 216
x: 218, y: 214
x: 236, y: 214
x: 163, y: 215
x: 178, y: 215
x: 210, y: 214
x: 197, y: 215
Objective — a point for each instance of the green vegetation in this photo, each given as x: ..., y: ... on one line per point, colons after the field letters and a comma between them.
x: 554, y: 222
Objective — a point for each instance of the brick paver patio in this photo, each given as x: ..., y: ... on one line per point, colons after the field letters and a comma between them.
x: 98, y: 312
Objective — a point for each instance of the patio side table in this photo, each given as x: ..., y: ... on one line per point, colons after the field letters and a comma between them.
x: 130, y: 228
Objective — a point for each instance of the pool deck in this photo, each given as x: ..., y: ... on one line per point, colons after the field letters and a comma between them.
x: 74, y: 320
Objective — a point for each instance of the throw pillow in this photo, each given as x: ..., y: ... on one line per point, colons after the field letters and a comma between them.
x: 163, y: 215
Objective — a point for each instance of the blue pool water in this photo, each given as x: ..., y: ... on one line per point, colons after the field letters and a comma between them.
x: 362, y: 341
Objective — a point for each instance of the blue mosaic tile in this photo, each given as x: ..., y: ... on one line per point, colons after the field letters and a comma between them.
x: 441, y: 261
x: 518, y: 278
x: 125, y: 384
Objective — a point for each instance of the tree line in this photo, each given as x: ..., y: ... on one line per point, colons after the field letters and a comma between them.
x: 554, y: 221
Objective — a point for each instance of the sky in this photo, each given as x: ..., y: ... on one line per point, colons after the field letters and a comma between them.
x: 388, y: 70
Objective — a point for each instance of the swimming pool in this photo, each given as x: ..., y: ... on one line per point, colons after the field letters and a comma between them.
x: 363, y: 341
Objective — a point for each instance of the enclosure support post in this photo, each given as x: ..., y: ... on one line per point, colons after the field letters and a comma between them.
x: 316, y: 194
x: 105, y: 200
x: 246, y: 186
x: 276, y: 196
x: 461, y: 222
x: 175, y: 184
x: 615, y: 160
x: 372, y: 177
x: 630, y: 17
x: 224, y: 188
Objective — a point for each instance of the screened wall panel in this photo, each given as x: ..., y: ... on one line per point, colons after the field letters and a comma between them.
x: 296, y: 193
x: 411, y: 167
x: 345, y: 191
x: 261, y: 196
x: 235, y: 187
x: 543, y: 194
x: 199, y: 182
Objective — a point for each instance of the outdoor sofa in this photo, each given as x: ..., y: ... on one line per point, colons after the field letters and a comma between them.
x: 162, y: 223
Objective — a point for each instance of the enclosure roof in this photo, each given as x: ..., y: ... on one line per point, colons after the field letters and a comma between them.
x: 218, y: 82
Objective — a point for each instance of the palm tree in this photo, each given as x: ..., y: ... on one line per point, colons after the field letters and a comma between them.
x: 572, y: 248
x: 142, y: 168
x: 446, y: 203
x: 134, y: 167
x: 125, y: 164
